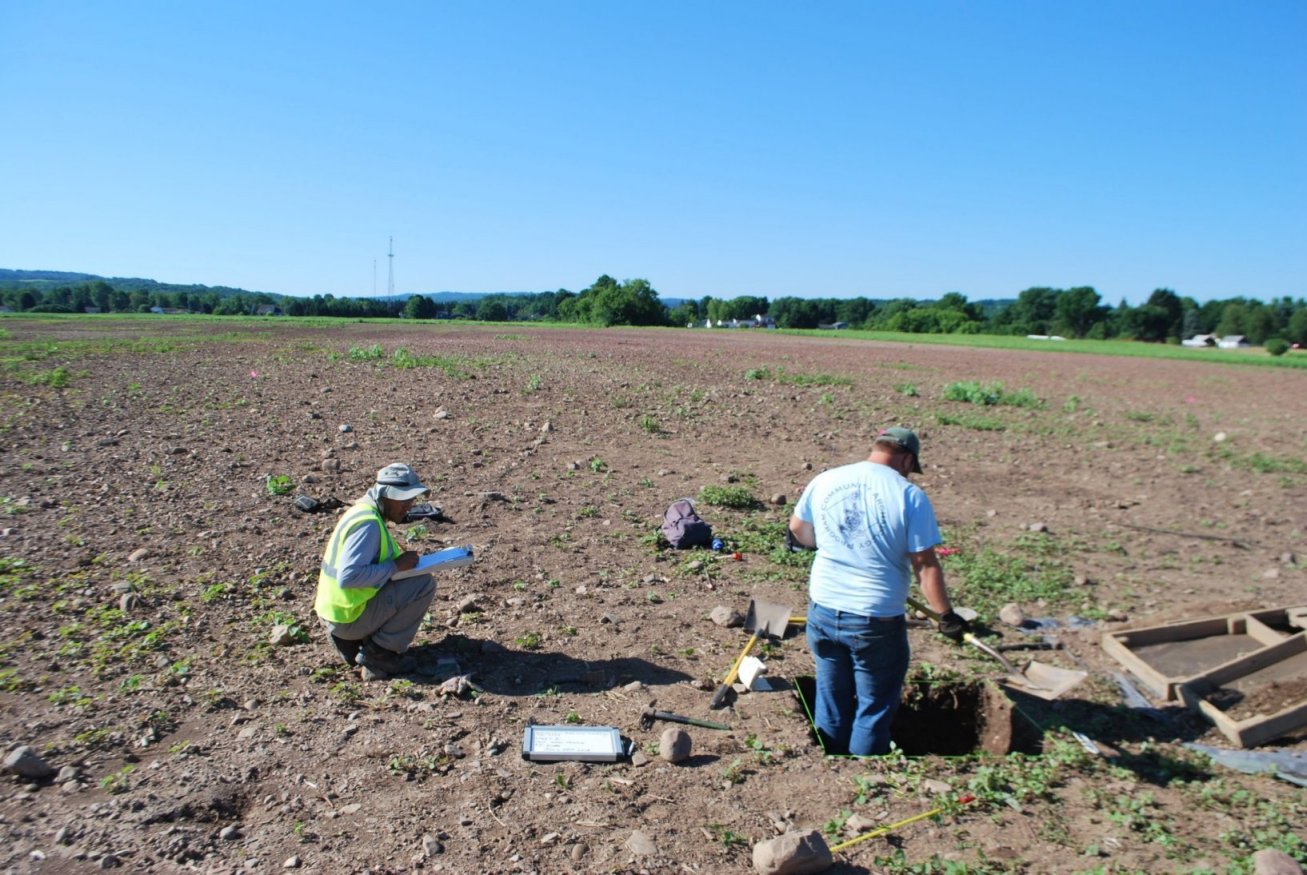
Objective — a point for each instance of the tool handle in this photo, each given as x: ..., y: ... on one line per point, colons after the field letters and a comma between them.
x: 719, y: 697
x: 918, y: 606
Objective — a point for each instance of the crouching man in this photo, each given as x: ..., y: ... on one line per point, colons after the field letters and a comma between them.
x: 372, y: 619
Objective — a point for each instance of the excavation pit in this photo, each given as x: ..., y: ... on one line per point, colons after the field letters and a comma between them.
x: 948, y: 719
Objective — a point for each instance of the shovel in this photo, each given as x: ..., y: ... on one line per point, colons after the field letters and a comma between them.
x: 763, y: 618
x: 1036, y: 678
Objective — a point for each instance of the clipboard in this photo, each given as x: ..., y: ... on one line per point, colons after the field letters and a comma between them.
x: 442, y: 560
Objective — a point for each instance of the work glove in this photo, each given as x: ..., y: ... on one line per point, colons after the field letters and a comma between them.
x: 952, y: 625
x: 793, y: 545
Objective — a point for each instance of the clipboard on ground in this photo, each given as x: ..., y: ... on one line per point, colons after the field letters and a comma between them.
x: 442, y: 560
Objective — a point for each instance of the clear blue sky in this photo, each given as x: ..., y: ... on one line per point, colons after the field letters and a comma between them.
x: 836, y: 148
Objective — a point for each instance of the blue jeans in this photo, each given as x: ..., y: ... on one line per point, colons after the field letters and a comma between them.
x: 861, y: 663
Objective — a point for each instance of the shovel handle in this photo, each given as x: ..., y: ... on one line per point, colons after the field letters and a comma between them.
x: 967, y: 637
x: 720, y: 696
x: 918, y: 606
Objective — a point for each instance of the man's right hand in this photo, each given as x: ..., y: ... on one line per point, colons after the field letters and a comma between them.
x: 406, y: 561
x: 794, y: 545
x: 954, y: 626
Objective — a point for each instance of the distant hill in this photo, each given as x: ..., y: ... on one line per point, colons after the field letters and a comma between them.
x: 40, y: 280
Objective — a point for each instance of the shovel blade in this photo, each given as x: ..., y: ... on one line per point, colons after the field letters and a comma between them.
x: 1045, y: 681
x: 767, y: 618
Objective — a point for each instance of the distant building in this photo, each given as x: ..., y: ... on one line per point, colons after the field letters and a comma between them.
x: 832, y: 326
x: 1200, y: 340
x: 267, y: 310
x: 1232, y: 341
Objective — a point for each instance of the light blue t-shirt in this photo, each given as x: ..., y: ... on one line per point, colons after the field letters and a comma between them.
x: 867, y: 518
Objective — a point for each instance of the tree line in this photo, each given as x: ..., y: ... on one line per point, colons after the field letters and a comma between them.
x: 1076, y: 312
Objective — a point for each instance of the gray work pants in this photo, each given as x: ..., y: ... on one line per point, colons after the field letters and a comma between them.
x: 392, y: 616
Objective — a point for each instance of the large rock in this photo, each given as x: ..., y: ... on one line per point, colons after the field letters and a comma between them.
x: 794, y: 853
x: 1269, y: 861
x: 674, y: 745
x: 727, y: 618
x: 27, y: 763
x: 1012, y: 615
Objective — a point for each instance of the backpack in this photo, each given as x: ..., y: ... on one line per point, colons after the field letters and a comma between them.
x: 683, y: 528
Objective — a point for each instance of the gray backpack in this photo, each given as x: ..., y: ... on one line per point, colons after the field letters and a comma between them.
x: 683, y: 528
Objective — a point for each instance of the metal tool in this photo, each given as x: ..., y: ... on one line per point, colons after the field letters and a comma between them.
x: 763, y: 618
x: 1036, y: 678
x: 650, y: 715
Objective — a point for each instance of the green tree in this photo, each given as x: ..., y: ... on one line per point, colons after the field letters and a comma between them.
x: 492, y: 309
x: 1297, y: 328
x: 1077, y: 311
x: 1233, y: 319
x: 419, y: 307
x: 790, y: 312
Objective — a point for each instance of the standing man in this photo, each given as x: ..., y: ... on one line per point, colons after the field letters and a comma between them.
x: 872, y: 530
x: 372, y: 619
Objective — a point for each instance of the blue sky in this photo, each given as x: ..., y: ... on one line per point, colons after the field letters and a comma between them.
x: 726, y: 148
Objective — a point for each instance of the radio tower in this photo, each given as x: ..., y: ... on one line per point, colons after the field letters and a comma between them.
x: 390, y: 285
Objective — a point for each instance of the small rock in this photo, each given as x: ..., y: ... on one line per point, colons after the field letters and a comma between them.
x: 291, y: 863
x: 1288, y: 559
x: 939, y: 788
x: 352, y: 808
x: 1082, y: 580
x: 431, y: 845
x: 547, y: 427
x: 441, y: 413
x: 27, y: 763
x: 1269, y: 861
x: 1271, y: 574
x: 991, y: 513
x: 330, y: 466
x: 727, y: 618
x: 230, y: 833
x: 577, y: 851
x: 109, y: 861
x: 634, y: 687
x: 857, y: 824
x: 138, y: 554
x: 129, y: 602
x: 281, y: 636
x: 795, y: 853
x: 807, y: 466
x: 1012, y: 614
x: 779, y: 499
x: 1117, y: 616
x: 549, y: 838
x: 674, y: 745
x: 346, y: 428
x: 1219, y: 437
x: 1038, y: 527
x: 641, y: 845
x: 639, y: 759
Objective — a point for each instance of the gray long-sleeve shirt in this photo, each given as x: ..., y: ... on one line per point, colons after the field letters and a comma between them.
x: 357, y: 565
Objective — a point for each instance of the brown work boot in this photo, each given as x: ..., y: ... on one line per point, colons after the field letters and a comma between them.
x: 380, y: 661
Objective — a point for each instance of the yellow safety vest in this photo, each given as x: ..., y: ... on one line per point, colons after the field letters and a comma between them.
x: 335, y: 603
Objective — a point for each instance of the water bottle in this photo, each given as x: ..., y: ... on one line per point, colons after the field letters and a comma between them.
x: 717, y: 545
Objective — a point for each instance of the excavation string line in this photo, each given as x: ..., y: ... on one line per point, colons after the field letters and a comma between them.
x: 962, y: 800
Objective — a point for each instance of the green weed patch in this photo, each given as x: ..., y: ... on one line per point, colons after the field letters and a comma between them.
x: 990, y: 394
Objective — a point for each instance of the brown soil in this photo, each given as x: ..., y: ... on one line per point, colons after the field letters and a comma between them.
x: 133, y: 642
